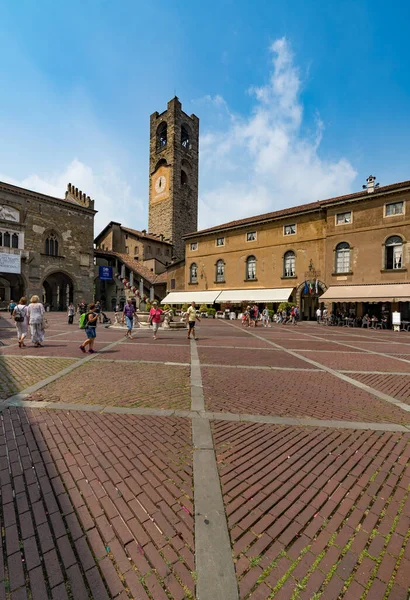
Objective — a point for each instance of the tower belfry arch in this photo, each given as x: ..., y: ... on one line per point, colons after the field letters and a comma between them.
x: 173, y: 175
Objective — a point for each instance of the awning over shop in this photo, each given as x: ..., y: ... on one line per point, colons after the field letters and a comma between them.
x: 260, y: 295
x: 393, y: 292
x: 188, y: 297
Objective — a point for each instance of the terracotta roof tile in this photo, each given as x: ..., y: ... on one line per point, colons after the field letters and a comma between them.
x: 299, y: 209
x: 135, y: 266
x: 147, y: 236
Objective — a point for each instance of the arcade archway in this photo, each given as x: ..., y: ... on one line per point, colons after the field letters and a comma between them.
x: 58, y: 291
x: 11, y: 288
x: 308, y: 298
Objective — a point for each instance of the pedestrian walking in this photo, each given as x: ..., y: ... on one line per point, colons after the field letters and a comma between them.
x: 265, y: 317
x: 36, y: 321
x: 91, y: 318
x: 98, y: 310
x: 70, y: 313
x: 12, y: 306
x: 128, y: 316
x: 192, y: 317
x: 21, y: 319
x: 318, y: 315
x: 155, y: 314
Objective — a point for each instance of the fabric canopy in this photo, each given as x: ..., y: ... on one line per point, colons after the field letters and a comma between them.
x: 393, y: 292
x: 188, y: 297
x: 260, y: 295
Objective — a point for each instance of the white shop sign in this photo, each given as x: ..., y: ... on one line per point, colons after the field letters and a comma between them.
x: 10, y: 263
x: 396, y: 318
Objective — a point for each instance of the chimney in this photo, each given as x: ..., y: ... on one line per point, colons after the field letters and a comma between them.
x: 370, y: 184
x: 144, y: 232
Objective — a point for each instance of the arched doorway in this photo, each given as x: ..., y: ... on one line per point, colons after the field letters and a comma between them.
x: 11, y: 288
x: 308, y: 298
x: 58, y: 291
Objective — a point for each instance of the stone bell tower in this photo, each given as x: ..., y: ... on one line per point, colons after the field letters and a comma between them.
x: 173, y: 175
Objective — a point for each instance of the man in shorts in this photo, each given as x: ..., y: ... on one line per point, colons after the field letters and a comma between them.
x: 192, y: 317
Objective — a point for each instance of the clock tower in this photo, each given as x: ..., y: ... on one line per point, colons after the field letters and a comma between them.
x: 173, y: 175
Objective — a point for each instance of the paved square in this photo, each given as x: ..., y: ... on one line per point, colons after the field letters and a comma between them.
x: 113, y: 465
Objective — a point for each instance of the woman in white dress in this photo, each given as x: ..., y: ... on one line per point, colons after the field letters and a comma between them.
x: 20, y: 315
x: 35, y: 320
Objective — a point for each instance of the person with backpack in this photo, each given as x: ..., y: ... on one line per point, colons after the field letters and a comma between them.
x: 21, y: 320
x: 88, y: 322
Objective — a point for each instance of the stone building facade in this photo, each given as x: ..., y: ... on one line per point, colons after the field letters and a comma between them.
x: 46, y: 246
x: 173, y: 175
x: 350, y: 247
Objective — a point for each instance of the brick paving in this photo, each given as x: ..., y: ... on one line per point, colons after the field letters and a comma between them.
x: 316, y: 513
x: 18, y: 374
x: 101, y: 505
x: 121, y: 384
x: 363, y: 362
x: 95, y: 506
x: 316, y: 394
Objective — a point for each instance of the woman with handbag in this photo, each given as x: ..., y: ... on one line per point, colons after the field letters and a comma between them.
x: 21, y: 318
x: 36, y: 320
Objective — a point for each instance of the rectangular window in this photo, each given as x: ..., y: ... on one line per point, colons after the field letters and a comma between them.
x: 127, y: 250
x: 194, y: 245
x: 220, y: 241
x: 172, y: 284
x: 343, y: 218
x: 289, y: 229
x: 394, y: 208
x: 251, y: 236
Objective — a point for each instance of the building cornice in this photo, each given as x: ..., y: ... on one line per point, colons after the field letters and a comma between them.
x: 24, y: 193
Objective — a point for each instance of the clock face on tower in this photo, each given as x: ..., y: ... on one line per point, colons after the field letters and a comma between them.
x: 160, y: 184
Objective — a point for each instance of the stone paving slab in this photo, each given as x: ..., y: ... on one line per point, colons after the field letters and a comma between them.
x: 96, y: 506
x: 16, y: 375
x: 312, y: 394
x: 316, y: 513
x: 121, y: 384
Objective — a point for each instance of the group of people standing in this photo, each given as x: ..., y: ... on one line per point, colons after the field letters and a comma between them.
x: 29, y: 316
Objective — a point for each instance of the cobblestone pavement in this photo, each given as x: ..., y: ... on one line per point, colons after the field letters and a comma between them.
x: 98, y: 504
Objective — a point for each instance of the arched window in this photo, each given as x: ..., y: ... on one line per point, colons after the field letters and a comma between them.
x: 251, y: 268
x: 220, y: 271
x: 6, y: 240
x: 14, y: 240
x: 161, y: 136
x: 51, y: 245
x: 394, y: 252
x: 343, y: 258
x: 184, y: 177
x: 193, y: 273
x: 185, y: 137
x: 289, y: 264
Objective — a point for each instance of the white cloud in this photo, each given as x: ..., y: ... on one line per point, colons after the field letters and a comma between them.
x: 113, y: 196
x: 266, y: 161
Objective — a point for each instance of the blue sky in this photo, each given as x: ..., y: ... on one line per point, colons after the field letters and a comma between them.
x: 297, y: 101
